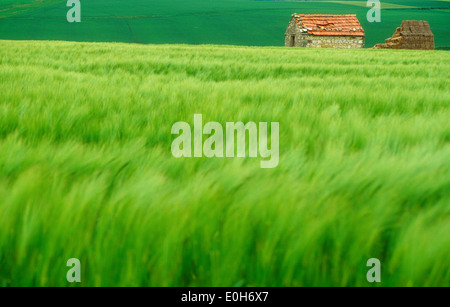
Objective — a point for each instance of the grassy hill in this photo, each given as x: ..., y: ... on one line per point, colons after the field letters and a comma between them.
x: 234, y: 22
x: 86, y: 169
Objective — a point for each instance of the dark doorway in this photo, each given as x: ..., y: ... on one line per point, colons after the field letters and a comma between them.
x: 292, y: 41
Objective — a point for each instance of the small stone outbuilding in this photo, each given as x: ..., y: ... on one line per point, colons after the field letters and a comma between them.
x: 325, y: 31
x: 413, y: 34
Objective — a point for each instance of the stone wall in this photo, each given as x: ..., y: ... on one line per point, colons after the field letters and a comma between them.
x: 412, y: 34
x: 331, y: 41
x: 291, y: 38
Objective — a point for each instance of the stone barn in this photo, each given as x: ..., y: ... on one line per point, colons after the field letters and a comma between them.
x: 413, y: 34
x: 325, y: 31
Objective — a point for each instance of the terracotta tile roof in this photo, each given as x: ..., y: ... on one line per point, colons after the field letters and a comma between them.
x: 322, y: 24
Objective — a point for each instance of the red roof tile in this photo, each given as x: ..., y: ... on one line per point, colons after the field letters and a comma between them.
x: 322, y: 24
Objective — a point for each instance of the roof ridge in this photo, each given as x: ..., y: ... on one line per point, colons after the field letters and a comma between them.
x: 325, y: 14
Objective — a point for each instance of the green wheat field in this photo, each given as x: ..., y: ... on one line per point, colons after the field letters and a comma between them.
x: 86, y: 169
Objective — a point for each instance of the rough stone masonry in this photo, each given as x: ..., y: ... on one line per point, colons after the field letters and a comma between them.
x: 413, y: 34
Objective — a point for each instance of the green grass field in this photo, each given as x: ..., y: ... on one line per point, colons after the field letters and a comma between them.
x: 229, y: 22
x: 86, y: 169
